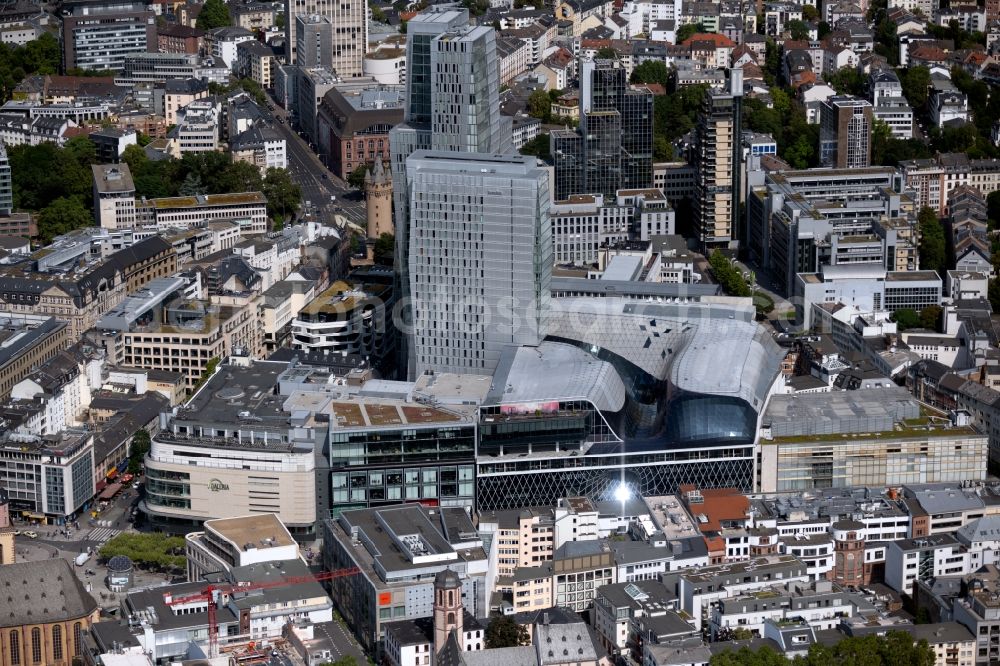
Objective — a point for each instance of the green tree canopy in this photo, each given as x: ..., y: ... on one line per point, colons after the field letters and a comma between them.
x: 192, y: 185
x: 503, y: 631
x: 930, y: 316
x: 675, y: 115
x: 248, y: 86
x: 798, y: 29
x: 994, y: 294
x: 214, y: 14
x: 540, y: 105
x: 138, y: 450
x: 916, y: 82
x: 539, y: 146
x: 685, y: 31
x: 607, y: 52
x: 893, y: 649
x: 39, y: 56
x: 906, y: 318
x: 283, y: 194
x: 155, y: 549
x: 356, y: 178
x: 385, y: 246
x: 240, y: 177
x: 651, y: 71
x: 46, y: 172
x: 62, y: 216
x: 728, y: 275
x: 932, y: 241
x: 847, y: 81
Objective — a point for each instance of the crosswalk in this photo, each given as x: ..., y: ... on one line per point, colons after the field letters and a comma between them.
x: 102, y: 534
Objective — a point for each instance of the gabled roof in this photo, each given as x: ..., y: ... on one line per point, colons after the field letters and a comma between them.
x: 715, y: 38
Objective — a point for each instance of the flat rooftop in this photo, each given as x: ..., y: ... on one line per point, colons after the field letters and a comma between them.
x: 240, y: 397
x: 113, y: 178
x: 912, y: 276
x: 878, y: 413
x: 342, y: 297
x: 365, y: 413
x: 209, y: 200
x: 263, y: 531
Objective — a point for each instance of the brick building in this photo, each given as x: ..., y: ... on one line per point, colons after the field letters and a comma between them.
x: 353, y: 124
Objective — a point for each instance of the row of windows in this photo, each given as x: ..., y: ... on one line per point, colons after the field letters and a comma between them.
x: 18, y: 657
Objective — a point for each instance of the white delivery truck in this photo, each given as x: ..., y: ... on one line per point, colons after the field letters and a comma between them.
x: 82, y: 558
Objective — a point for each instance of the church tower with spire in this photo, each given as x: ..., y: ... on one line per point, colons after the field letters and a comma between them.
x: 448, y: 610
x: 378, y: 192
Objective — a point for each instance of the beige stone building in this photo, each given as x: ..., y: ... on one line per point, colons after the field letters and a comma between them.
x: 190, y: 334
x: 114, y: 196
x: 523, y: 537
x: 378, y: 193
x: 27, y: 347
x: 47, y: 623
x: 235, y: 456
x: 531, y: 588
x: 81, y: 297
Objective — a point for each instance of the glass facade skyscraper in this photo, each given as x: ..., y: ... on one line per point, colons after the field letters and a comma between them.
x: 613, y: 149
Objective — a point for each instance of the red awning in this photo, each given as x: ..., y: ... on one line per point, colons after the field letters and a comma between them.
x: 110, y: 491
x: 101, y: 485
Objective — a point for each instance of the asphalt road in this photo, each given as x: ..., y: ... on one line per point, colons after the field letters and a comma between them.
x: 317, y: 182
x: 77, y: 541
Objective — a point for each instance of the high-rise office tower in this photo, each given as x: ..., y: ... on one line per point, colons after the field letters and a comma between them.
x: 452, y: 104
x: 613, y: 149
x: 98, y: 34
x: 717, y: 159
x: 313, y: 41
x: 349, y: 31
x: 6, y: 183
x: 845, y: 132
x: 480, y: 259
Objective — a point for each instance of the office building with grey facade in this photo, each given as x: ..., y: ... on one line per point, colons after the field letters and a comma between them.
x: 313, y: 41
x: 98, y: 35
x: 6, y: 183
x: 613, y: 148
x: 398, y: 550
x: 480, y: 257
x: 348, y: 34
x: 448, y: 64
x: 845, y: 132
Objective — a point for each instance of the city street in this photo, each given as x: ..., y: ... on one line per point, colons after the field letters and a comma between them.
x: 317, y: 182
x: 52, y: 542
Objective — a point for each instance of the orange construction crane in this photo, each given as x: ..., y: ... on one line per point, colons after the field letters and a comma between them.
x: 213, y: 592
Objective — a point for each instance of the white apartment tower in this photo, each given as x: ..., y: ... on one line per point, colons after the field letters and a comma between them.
x: 114, y: 196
